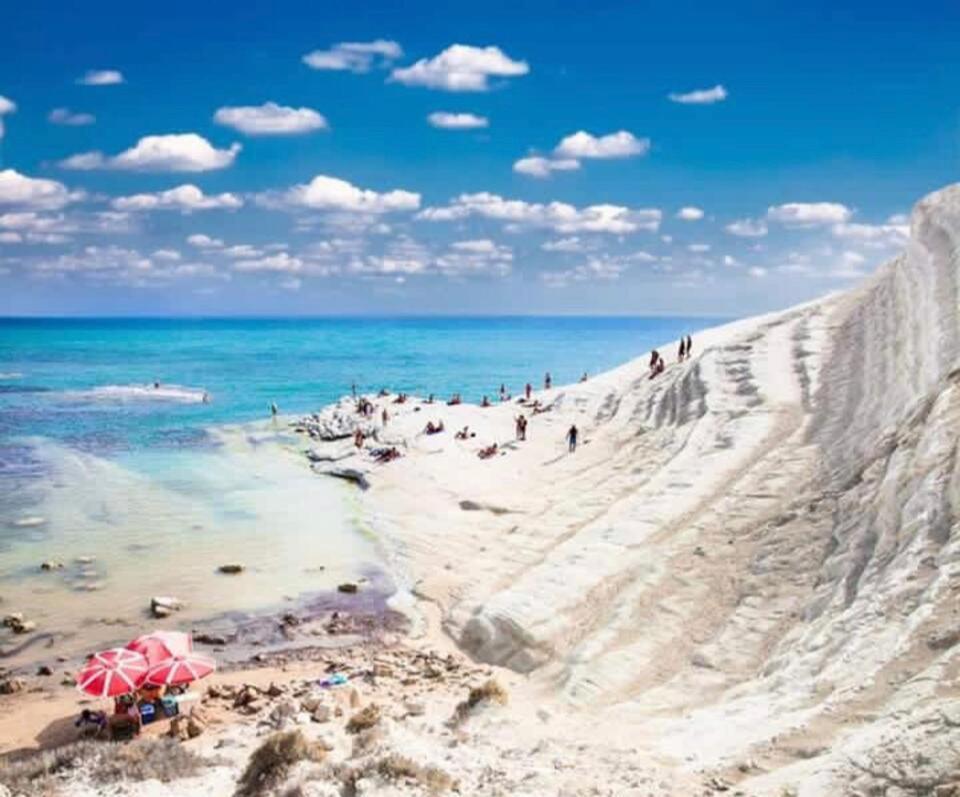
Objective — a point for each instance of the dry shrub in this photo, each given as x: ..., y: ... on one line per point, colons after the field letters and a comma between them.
x: 272, y: 760
x: 489, y: 692
x: 364, y: 719
x: 143, y: 759
x: 394, y: 767
x: 398, y: 767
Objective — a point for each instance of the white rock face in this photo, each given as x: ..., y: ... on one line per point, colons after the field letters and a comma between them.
x: 755, y: 554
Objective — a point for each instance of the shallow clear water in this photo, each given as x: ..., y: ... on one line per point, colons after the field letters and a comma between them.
x: 159, y: 485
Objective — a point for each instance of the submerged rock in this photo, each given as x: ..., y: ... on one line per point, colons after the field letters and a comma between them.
x: 231, y: 569
x: 349, y: 588
x: 164, y: 606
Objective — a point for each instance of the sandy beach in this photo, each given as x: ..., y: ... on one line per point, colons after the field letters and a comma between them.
x: 743, y: 580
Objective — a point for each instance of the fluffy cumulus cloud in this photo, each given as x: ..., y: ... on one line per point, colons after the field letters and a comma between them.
x: 809, y: 214
x: 279, y: 262
x: 700, y: 96
x: 894, y: 233
x: 602, y: 267
x: 101, y: 77
x: 475, y: 257
x: 333, y: 194
x: 354, y: 56
x: 202, y: 241
x: 461, y: 67
x: 536, y: 166
x: 572, y: 244
x: 621, y: 144
x: 690, y: 214
x: 185, y: 198
x: 64, y: 116
x: 457, y: 121
x: 747, y: 228
x: 6, y: 107
x: 270, y: 119
x: 178, y: 152
x: 557, y: 216
x: 34, y: 193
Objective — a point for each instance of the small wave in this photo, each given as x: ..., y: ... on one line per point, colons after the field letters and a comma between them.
x: 174, y: 393
x: 11, y: 375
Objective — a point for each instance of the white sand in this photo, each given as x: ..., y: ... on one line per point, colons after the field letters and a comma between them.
x: 746, y: 556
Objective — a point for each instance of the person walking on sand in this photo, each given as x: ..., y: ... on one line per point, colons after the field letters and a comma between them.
x: 572, y: 439
x: 689, y: 346
x: 385, y: 416
x: 683, y: 350
x: 547, y: 381
x: 528, y: 390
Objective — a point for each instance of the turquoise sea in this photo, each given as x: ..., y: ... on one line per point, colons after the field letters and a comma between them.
x: 156, y: 485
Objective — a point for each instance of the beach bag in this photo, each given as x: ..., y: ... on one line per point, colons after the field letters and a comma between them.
x: 168, y: 703
x: 148, y: 713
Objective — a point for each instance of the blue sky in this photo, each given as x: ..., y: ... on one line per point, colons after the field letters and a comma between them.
x: 200, y: 160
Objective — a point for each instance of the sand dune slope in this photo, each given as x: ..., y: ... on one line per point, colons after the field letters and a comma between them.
x: 752, y: 561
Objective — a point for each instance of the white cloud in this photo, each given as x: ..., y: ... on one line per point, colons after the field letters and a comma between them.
x: 476, y: 257
x: 572, y: 244
x: 700, y: 96
x: 64, y: 116
x: 460, y: 67
x: 730, y: 262
x: 184, y: 198
x: 558, y: 216
x: 354, y: 56
x: 621, y: 144
x: 699, y: 248
x: 202, y: 241
x: 850, y: 266
x: 34, y: 193
x: 6, y: 107
x: 690, y: 214
x: 457, y: 121
x: 168, y: 255
x: 10, y: 238
x: 281, y: 262
x: 270, y: 119
x: 747, y: 228
x: 603, y: 267
x: 757, y: 272
x: 809, y: 214
x: 180, y: 152
x: 242, y: 252
x: 536, y: 166
x: 101, y: 77
x: 331, y: 193
x: 895, y: 233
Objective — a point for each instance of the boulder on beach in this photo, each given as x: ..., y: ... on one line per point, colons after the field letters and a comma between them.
x: 231, y: 569
x: 348, y: 587
x: 164, y: 606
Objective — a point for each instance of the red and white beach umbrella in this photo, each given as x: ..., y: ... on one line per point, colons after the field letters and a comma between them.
x: 181, y: 669
x: 112, y: 672
x: 161, y: 645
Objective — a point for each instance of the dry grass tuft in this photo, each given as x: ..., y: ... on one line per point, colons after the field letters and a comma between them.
x: 489, y: 692
x: 272, y: 760
x: 144, y: 759
x: 364, y: 719
x: 398, y: 767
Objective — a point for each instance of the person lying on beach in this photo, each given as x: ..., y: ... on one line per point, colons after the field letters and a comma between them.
x: 91, y: 723
x: 434, y: 428
x: 454, y: 400
x: 489, y: 451
x: 465, y: 434
x: 485, y: 402
x: 385, y: 455
x: 383, y: 392
x: 584, y: 377
x: 400, y: 399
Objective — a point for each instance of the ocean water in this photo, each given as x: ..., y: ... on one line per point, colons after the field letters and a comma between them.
x: 141, y: 490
